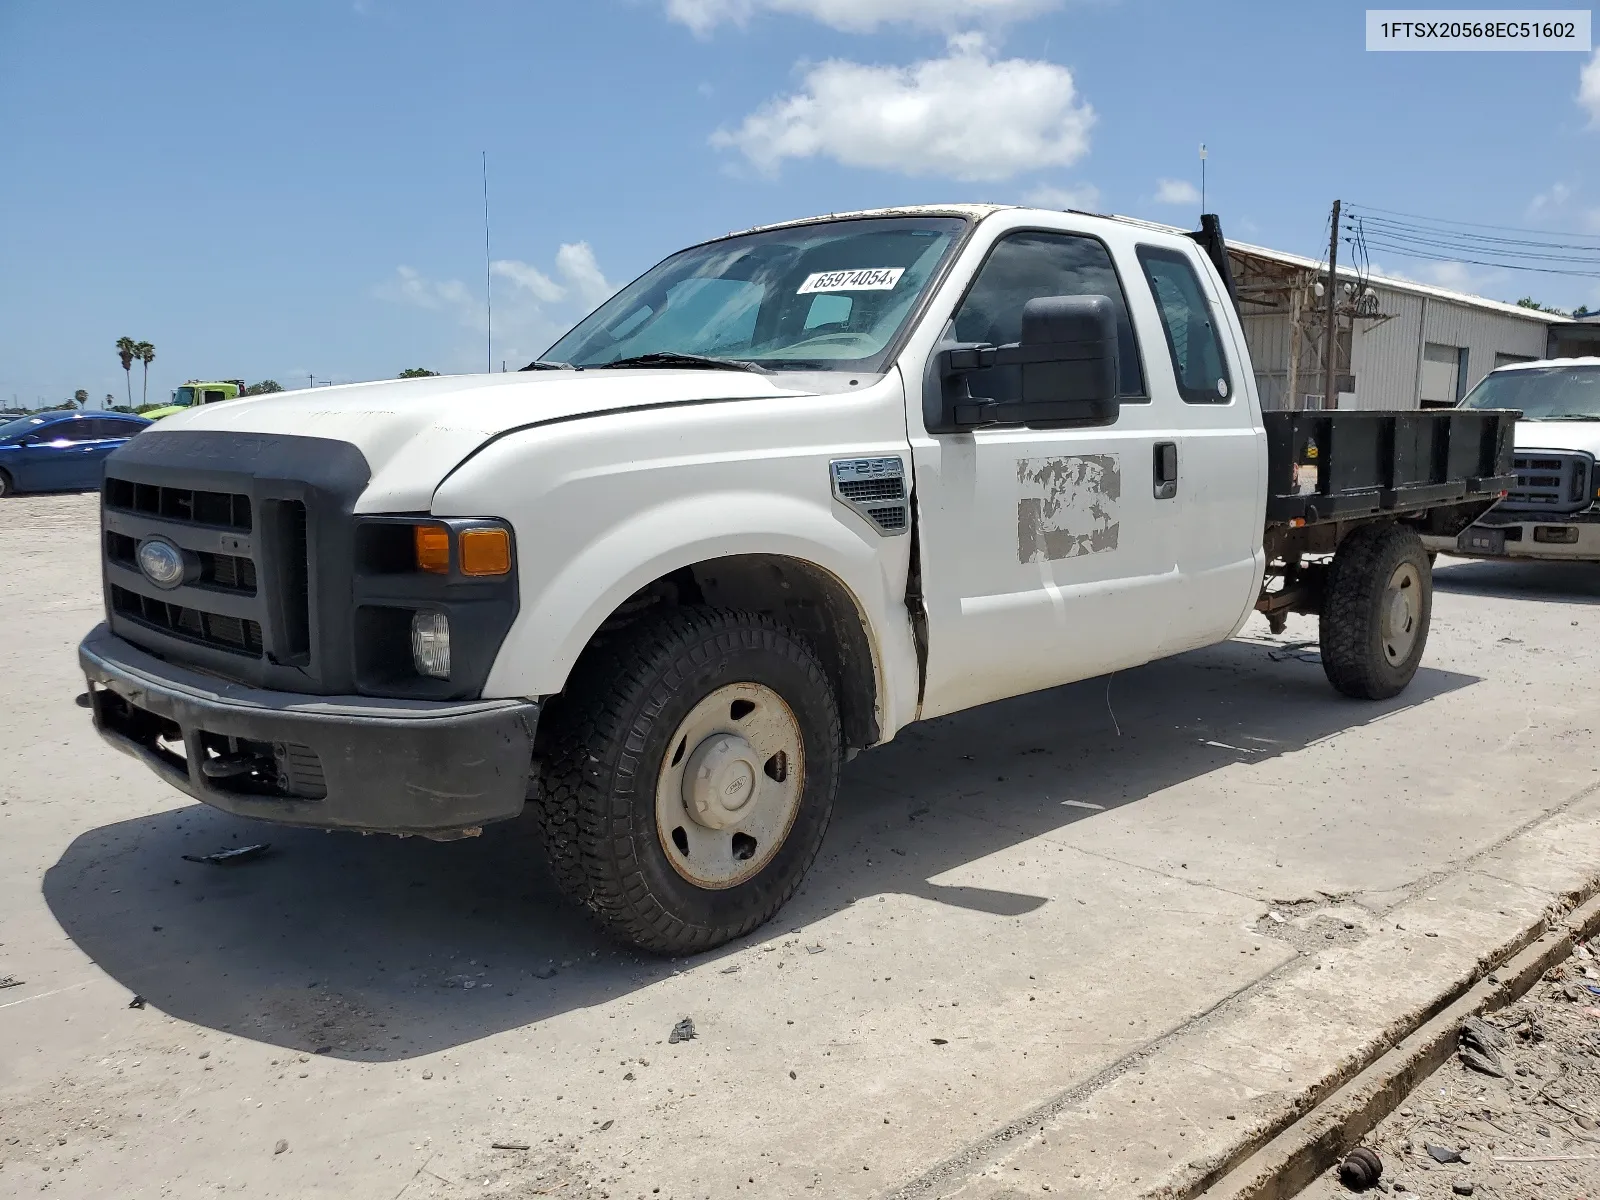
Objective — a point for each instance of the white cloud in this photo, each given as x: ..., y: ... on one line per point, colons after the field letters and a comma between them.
x: 1084, y: 197
x: 1548, y: 201
x: 967, y: 116
x: 1589, y: 89
x: 856, y: 16
x: 529, y: 315
x: 1176, y: 191
x: 1460, y: 277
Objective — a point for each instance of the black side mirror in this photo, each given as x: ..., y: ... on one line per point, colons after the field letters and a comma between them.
x: 1067, y: 358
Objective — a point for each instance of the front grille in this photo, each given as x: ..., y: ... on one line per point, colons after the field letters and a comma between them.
x: 220, y: 510
x: 1551, y: 481
x: 239, y: 634
x: 221, y: 572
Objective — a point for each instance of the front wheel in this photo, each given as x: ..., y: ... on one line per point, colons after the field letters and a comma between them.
x: 1376, y: 611
x: 688, y: 777
x: 7, y: 488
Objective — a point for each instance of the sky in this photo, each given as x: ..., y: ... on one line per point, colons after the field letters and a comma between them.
x: 294, y: 190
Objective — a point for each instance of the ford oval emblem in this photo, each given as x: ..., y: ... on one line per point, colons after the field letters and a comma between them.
x: 162, y: 563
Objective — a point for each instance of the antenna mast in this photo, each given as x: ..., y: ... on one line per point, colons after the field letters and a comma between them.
x: 488, y: 287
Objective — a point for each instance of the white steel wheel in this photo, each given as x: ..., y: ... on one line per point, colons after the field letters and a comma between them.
x: 1401, y: 613
x: 730, y: 785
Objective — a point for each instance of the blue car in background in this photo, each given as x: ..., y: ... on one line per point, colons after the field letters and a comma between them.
x: 61, y: 451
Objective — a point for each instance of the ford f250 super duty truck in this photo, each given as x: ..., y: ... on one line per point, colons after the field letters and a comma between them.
x: 788, y: 492
x: 1553, y: 509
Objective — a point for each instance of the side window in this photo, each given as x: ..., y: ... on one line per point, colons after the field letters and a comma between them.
x: 1191, y: 329
x: 78, y: 429
x: 1023, y: 267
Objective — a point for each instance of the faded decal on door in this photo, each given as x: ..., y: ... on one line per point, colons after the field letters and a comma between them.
x: 1067, y: 506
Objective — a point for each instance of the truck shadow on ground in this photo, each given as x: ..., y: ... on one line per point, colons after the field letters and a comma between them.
x: 380, y: 949
x: 1557, y: 583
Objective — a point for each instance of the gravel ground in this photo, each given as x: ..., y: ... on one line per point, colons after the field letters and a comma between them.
x: 1530, y: 1134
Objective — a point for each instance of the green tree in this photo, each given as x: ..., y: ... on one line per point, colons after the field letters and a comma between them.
x: 1530, y: 302
x: 125, y: 351
x: 265, y: 388
x: 416, y: 373
x: 145, y: 353
x: 81, y: 399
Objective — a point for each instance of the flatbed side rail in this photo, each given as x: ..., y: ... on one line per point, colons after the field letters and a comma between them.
x: 1342, y: 466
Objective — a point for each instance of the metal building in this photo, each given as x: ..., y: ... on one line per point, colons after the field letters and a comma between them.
x: 1399, y: 344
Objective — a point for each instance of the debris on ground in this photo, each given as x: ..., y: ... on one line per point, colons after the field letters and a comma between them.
x: 683, y: 1031
x: 283, y: 1144
x: 232, y: 857
x: 8, y: 981
x: 1527, y: 1128
x: 136, y: 1002
x: 544, y: 972
x: 508, y: 1145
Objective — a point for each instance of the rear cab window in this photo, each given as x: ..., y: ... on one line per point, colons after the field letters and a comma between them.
x: 1194, y: 341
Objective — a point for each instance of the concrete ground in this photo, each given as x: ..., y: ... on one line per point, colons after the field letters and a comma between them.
x: 1088, y: 942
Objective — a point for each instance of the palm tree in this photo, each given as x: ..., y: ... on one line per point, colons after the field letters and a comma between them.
x: 145, y: 353
x: 125, y: 351
x: 81, y: 399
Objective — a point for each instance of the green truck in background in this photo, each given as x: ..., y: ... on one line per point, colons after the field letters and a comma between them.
x: 196, y: 391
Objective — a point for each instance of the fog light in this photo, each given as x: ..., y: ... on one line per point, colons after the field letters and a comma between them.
x: 1556, y: 535
x: 430, y: 644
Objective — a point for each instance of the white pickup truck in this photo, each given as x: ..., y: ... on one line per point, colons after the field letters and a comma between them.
x: 788, y: 492
x: 1553, y: 509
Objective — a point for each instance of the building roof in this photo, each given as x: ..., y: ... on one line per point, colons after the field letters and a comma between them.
x: 1588, y: 360
x: 1391, y: 282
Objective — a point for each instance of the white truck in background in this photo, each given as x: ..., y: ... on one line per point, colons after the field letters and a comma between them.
x: 788, y: 492
x: 1553, y: 510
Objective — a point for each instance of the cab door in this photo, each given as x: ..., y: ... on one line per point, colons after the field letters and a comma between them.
x: 1046, y: 554
x: 1201, y: 372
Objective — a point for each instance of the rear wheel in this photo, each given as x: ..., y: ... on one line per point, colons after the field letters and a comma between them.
x: 688, y: 777
x: 1375, y: 612
x: 7, y: 488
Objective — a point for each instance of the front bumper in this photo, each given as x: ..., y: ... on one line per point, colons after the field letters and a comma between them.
x: 1529, y: 539
x: 435, y: 768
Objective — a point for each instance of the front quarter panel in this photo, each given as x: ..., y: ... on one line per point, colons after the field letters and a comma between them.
x: 603, y: 505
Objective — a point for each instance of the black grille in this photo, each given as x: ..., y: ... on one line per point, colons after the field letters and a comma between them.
x: 220, y: 510
x: 228, y: 572
x: 888, y: 518
x: 864, y: 491
x: 210, y: 629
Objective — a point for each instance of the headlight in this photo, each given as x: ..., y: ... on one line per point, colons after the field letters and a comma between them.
x: 430, y: 644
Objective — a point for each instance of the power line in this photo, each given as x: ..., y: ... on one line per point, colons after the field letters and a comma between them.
x: 1470, y: 224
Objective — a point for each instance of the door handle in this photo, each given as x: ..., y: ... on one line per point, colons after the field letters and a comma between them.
x: 1165, y: 470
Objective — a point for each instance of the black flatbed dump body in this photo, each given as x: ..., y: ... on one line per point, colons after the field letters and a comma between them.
x: 1330, y: 466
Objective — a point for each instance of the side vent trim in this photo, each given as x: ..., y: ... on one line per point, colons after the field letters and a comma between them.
x: 874, y: 489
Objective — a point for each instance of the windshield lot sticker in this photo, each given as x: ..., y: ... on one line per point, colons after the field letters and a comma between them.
x: 1067, y: 506
x: 862, y: 279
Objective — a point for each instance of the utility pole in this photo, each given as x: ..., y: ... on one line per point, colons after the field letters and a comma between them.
x: 1331, y: 337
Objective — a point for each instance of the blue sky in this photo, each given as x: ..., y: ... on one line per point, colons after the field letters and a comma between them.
x: 293, y: 189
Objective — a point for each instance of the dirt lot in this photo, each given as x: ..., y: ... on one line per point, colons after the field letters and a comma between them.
x: 1521, y: 1122
x: 1038, y: 953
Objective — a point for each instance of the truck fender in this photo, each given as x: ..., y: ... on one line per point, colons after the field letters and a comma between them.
x: 557, y: 623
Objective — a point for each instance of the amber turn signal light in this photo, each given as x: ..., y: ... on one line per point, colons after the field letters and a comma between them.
x: 485, y: 552
x: 433, y: 549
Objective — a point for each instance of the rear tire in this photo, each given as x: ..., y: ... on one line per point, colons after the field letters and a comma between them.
x: 731, y: 699
x: 1376, y: 612
x: 7, y: 488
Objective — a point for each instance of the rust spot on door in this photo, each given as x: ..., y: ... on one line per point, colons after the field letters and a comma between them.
x: 1067, y: 506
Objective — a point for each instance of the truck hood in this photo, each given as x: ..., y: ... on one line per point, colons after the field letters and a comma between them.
x: 413, y: 432
x: 1559, y: 435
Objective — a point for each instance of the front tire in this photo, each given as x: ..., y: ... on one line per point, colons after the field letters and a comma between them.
x: 688, y: 777
x: 1376, y: 612
x: 7, y: 488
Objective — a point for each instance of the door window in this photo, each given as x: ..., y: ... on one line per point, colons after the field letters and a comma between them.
x: 1190, y: 326
x: 1023, y: 267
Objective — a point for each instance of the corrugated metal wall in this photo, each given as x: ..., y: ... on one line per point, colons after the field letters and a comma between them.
x: 1385, y: 354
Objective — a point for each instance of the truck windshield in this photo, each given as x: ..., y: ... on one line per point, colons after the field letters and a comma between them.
x: 828, y: 296
x: 184, y: 395
x: 1542, y: 393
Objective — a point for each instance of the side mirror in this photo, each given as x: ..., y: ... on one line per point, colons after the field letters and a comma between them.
x: 1066, y: 371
